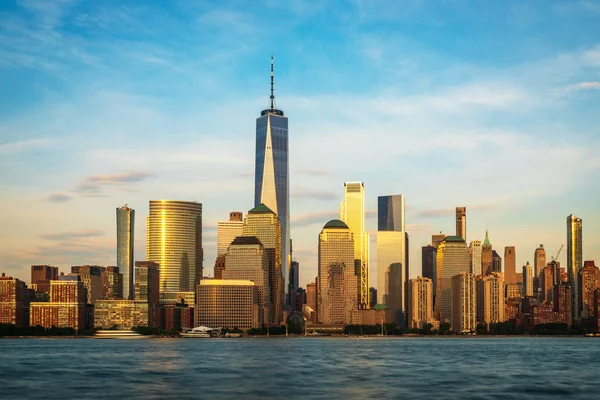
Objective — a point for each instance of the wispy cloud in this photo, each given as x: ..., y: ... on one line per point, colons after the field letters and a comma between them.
x: 59, y: 197
x: 313, y: 172
x: 585, y: 86
x: 123, y: 177
x: 24, y: 145
x: 302, y: 193
x: 73, y: 235
x: 314, y: 218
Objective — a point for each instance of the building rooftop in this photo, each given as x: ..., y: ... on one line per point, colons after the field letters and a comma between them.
x: 335, y: 223
x: 261, y: 208
x: 454, y: 239
x: 246, y: 240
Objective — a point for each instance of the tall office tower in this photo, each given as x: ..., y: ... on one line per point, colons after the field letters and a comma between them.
x: 528, y: 280
x: 91, y: 276
x: 373, y: 296
x: 589, y: 280
x: 263, y: 223
x: 547, y: 282
x: 574, y: 260
x: 125, y: 240
x: 392, y: 260
x: 539, y: 260
x: 271, y: 179
x: 14, y: 301
x: 229, y: 303
x: 437, y: 239
x: 486, y: 256
x: 112, y: 284
x: 452, y: 259
x: 337, y: 283
x: 461, y: 222
x: 229, y: 230
x: 311, y: 301
x: 464, y: 303
x: 174, y: 241
x: 147, y: 282
x: 247, y: 259
x: 510, y: 265
x: 352, y: 213
x: 562, y: 303
x: 43, y: 273
x: 496, y: 262
x: 490, y: 299
x: 475, y: 257
x: 420, y: 302
x: 428, y: 254
x: 294, y: 278
x: 219, y: 266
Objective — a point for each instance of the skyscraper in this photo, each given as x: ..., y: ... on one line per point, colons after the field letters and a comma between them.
x: 337, y: 286
x: 294, y: 278
x: 461, y: 222
x: 262, y: 223
x: 271, y: 170
x: 420, y: 302
x: 437, y: 239
x: 352, y: 213
x: 174, y: 241
x: 392, y: 262
x: 496, y: 262
x: 229, y: 230
x: 528, y: 280
x: 510, y: 265
x: 125, y: 239
x: 486, y: 256
x: 464, y: 303
x: 490, y: 299
x: 539, y: 260
x: 589, y: 280
x: 574, y: 260
x: 452, y: 259
x: 428, y: 254
x: 475, y: 257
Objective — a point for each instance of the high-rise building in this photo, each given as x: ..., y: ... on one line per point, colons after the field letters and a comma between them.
x: 125, y: 240
x: 548, y: 278
x: 247, y: 259
x: 352, y: 213
x: 589, y: 280
x: 41, y: 273
x: 562, y: 303
x: 263, y: 223
x: 464, y: 303
x: 373, y: 296
x: 174, y: 241
x: 147, y: 282
x: 452, y: 259
x: 420, y: 302
x: 91, y: 276
x: 510, y: 265
x: 229, y: 230
x: 14, y: 301
x: 475, y: 257
x: 271, y: 179
x: 574, y: 260
x: 539, y: 260
x: 294, y: 278
x: 337, y: 286
x: 428, y: 255
x: 437, y: 239
x: 66, y: 308
x: 490, y: 299
x: 112, y: 284
x: 496, y: 262
x: 392, y: 260
x: 311, y: 301
x: 487, y: 256
x: 219, y: 266
x: 228, y: 303
x: 528, y: 280
x: 461, y: 222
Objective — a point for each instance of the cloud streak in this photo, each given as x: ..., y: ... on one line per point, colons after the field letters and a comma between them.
x: 82, y: 234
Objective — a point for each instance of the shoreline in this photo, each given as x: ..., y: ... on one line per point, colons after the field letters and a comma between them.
x: 326, y: 337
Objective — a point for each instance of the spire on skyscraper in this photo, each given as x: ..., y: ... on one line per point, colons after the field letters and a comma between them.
x: 486, y: 242
x: 272, y: 109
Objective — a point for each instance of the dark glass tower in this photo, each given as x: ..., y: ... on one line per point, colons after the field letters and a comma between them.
x: 271, y: 169
x: 125, y: 229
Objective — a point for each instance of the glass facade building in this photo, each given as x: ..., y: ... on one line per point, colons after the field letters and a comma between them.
x: 125, y: 238
x: 452, y: 259
x: 574, y: 260
x: 174, y: 241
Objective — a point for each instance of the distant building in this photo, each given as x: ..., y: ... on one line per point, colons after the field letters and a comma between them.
x: 14, y: 301
x: 112, y: 284
x: 513, y: 292
x: 91, y: 276
x: 539, y: 262
x: 227, y: 303
x: 379, y: 315
x: 125, y: 314
x: 125, y: 241
x: 420, y: 302
x: 229, y: 230
x: 464, y: 303
x: 510, y: 265
x: 219, y: 266
x: 490, y: 299
x: 562, y: 303
x: 574, y: 260
x: 373, y: 296
x: 428, y: 256
x: 486, y: 256
x: 311, y: 301
x: 297, y: 300
x: 178, y: 317
x: 475, y: 257
x: 589, y: 280
x: 461, y: 222
x: 294, y: 278
x: 452, y: 259
x: 528, y: 280
x: 41, y: 275
x: 147, y: 282
x: 437, y: 239
x: 67, y: 307
x: 548, y: 278
x: 496, y: 262
x: 337, y: 287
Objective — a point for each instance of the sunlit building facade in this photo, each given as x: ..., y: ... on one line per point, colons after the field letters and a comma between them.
x: 352, y: 213
x: 66, y: 309
x: 229, y: 230
x: 112, y: 284
x: 230, y: 303
x: 510, y: 265
x: 461, y: 222
x: 539, y: 260
x: 125, y: 240
x: 475, y: 257
x: 528, y: 280
x: 452, y: 259
x: 589, y: 280
x: 490, y: 299
x: 91, y: 276
x: 486, y: 256
x: 337, y: 284
x: 124, y: 314
x: 464, y: 303
x: 420, y: 302
x: 14, y: 301
x: 574, y: 260
x: 174, y: 241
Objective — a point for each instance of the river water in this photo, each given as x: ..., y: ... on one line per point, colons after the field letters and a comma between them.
x: 309, y: 368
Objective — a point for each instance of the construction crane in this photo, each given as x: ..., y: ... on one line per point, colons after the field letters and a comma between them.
x: 557, y: 254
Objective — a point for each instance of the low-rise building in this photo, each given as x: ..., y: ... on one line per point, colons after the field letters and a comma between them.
x: 228, y: 303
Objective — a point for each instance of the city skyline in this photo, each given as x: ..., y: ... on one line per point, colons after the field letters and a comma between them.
x: 65, y: 160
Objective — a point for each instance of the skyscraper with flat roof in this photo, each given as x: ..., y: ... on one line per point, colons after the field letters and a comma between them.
x: 352, y: 213
x: 574, y: 260
x: 452, y: 259
x: 337, y: 287
x: 464, y: 303
x: 420, y: 302
x: 528, y: 280
x: 392, y: 262
x: 125, y: 240
x: 174, y: 241
x: 475, y: 257
x: 490, y: 299
x: 589, y: 280
x: 510, y: 265
x: 271, y: 170
x: 539, y: 260
x: 461, y: 222
x: 229, y: 230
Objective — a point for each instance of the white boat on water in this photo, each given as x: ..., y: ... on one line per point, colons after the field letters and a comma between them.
x: 118, y: 334
x: 201, y: 332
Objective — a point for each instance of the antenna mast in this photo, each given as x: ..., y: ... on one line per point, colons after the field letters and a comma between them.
x: 272, y: 78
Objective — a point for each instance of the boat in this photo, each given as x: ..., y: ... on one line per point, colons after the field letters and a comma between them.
x: 201, y: 332
x: 118, y: 334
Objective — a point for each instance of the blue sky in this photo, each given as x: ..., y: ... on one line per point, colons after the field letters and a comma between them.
x: 489, y: 105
